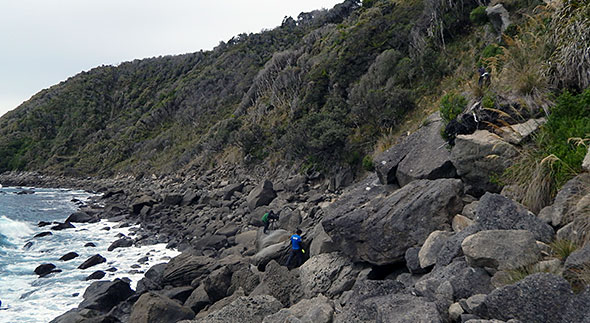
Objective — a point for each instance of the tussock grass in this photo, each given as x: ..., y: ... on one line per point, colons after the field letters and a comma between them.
x: 562, y: 248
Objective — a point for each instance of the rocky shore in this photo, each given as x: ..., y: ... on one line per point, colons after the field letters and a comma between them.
x: 427, y: 237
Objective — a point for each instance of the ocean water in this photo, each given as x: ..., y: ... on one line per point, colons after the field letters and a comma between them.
x: 26, y: 297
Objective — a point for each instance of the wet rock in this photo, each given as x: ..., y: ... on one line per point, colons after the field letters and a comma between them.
x: 82, y: 217
x: 151, y: 307
x: 380, y: 231
x: 68, y: 256
x: 104, y: 295
x: 92, y: 261
x: 99, y: 274
x: 43, y: 224
x: 62, y: 226
x: 121, y: 243
x: 42, y: 234
x: 90, y: 244
x: 44, y: 269
x: 28, y: 245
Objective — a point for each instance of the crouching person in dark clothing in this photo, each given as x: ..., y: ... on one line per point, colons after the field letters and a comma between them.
x: 297, y: 251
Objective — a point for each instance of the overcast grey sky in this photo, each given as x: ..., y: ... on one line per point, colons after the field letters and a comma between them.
x: 43, y: 42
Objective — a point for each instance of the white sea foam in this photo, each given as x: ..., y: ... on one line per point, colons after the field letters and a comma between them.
x: 31, y: 299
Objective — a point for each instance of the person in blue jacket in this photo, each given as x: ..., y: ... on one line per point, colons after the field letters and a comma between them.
x: 296, y: 249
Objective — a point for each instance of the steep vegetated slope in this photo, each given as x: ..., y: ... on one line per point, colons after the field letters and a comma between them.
x: 320, y: 89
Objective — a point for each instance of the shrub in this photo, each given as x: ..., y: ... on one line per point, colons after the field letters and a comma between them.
x: 478, y: 16
x: 451, y: 105
x: 368, y: 163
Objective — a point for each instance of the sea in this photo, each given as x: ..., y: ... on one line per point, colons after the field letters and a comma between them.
x: 24, y: 295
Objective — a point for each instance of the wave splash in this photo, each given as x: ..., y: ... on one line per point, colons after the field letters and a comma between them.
x: 11, y: 230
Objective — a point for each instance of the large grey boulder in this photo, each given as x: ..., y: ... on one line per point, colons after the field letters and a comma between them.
x: 577, y: 264
x: 316, y: 310
x: 282, y: 283
x: 321, y: 243
x: 422, y: 155
x: 431, y: 247
x: 140, y: 202
x: 182, y: 269
x: 382, y: 229
x: 198, y: 299
x: 245, y: 309
x: 217, y: 283
x: 262, y: 194
x: 92, y: 261
x: 329, y: 274
x: 81, y: 217
x: 478, y: 156
x: 360, y: 305
x: 103, y: 295
x: 540, y: 297
x: 496, y: 212
x: 152, y: 280
x: 564, y: 204
x: 151, y: 307
x: 272, y: 237
x: 501, y: 249
x: 276, y: 252
x: 499, y: 17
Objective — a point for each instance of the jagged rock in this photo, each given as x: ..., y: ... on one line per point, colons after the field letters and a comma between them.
x: 499, y: 17
x: 566, y: 200
x: 173, y: 199
x: 380, y: 231
x: 43, y: 234
x: 470, y: 209
x: 180, y: 294
x: 44, y: 269
x: 141, y: 202
x: 496, y: 212
x: 189, y: 198
x: 343, y: 178
x: 501, y: 249
x: 517, y: 133
x: 422, y: 155
x: 103, y: 295
x: 184, y: 268
x: 263, y: 194
x: 229, y: 230
x: 474, y: 303
x: 329, y: 274
x: 92, y: 261
x: 151, y: 307
x: 62, y: 226
x: 431, y: 247
x: 464, y: 281
x: 80, y: 316
x: 99, y: 274
x: 576, y: 263
x: 321, y: 243
x: 396, y: 308
x: 289, y: 220
x: 413, y: 261
x: 245, y: 309
x: 360, y: 305
x: 245, y: 279
x: 213, y: 241
x: 217, y: 283
x: 229, y: 191
x: 198, y: 299
x: 455, y: 311
x: 460, y: 222
x: 477, y: 156
x: 282, y: 284
x: 120, y: 243
x: 81, y: 217
x: 316, y: 310
x: 540, y: 297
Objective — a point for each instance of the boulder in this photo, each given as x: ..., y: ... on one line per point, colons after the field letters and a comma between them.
x: 184, y: 268
x: 99, y: 274
x: 501, y: 249
x: 217, y: 283
x: 229, y: 190
x: 62, y: 226
x: 422, y: 155
x: 540, y: 297
x: 44, y: 269
x: 479, y: 155
x: 198, y: 299
x: 68, y: 256
x: 496, y: 212
x: 316, y: 310
x: 81, y: 217
x: 321, y: 243
x: 151, y: 307
x: 431, y: 247
x: 245, y: 309
x: 92, y: 261
x: 173, y: 199
x: 228, y: 230
x: 276, y: 252
x: 103, y: 295
x: 215, y: 241
x: 460, y: 222
x: 360, y: 305
x: 380, y: 230
x: 517, y: 133
x: 190, y: 197
x: 140, y: 202
x: 577, y: 265
x: 180, y: 294
x: 564, y: 204
x: 244, y: 278
x: 499, y: 17
x: 261, y: 195
x: 413, y: 261
x: 283, y: 284
x: 329, y: 274
x: 152, y: 279
x: 121, y: 243
x: 271, y: 238
x: 43, y: 234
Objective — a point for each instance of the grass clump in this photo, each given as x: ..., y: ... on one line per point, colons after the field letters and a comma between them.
x: 478, y: 16
x: 451, y: 105
x: 562, y: 248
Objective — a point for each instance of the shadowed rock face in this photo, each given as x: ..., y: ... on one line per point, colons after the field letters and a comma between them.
x: 380, y: 231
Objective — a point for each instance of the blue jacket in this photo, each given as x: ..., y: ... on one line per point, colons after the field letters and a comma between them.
x: 296, y: 242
